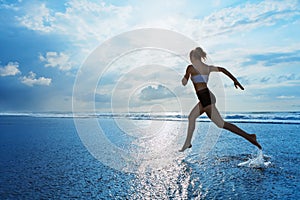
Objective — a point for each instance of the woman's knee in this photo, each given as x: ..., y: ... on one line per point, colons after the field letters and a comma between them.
x: 220, y: 123
x: 226, y: 125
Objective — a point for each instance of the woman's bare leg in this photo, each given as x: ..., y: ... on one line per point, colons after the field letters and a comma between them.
x: 194, y: 114
x: 215, y: 116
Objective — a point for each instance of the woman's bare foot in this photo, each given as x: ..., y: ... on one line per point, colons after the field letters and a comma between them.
x: 185, y: 147
x: 254, y: 141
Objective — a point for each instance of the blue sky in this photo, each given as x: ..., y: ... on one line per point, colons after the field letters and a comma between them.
x: 45, y: 43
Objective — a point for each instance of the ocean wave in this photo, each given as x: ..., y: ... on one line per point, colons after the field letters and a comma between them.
x: 253, y: 117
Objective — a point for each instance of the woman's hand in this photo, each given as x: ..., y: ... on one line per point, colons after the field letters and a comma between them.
x: 184, y: 81
x: 237, y: 84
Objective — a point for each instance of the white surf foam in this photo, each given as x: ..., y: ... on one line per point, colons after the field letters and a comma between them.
x: 257, y: 162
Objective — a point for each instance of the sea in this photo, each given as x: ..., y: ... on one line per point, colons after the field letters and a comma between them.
x: 135, y: 156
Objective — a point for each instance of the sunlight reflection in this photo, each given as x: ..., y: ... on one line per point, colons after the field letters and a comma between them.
x: 157, y: 145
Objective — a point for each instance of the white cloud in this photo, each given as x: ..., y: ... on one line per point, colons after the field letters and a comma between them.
x: 38, y: 18
x: 87, y: 23
x: 285, y: 97
x: 247, y: 17
x: 59, y: 60
x: 31, y: 80
x: 95, y: 21
x: 226, y: 21
x: 11, y: 69
x: 82, y: 21
x: 9, y: 6
x: 155, y: 93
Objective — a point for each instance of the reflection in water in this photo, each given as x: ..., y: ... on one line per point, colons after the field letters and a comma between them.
x: 163, y: 172
x: 174, y: 181
x: 153, y: 145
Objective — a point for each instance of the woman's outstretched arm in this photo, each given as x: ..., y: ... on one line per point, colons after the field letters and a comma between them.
x: 236, y: 82
x: 226, y: 72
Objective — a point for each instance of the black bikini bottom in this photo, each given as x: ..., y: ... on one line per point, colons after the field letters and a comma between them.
x: 206, y: 97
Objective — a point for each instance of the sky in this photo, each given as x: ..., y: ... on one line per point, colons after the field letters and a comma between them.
x: 46, y: 46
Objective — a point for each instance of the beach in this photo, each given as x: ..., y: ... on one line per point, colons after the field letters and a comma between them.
x: 43, y: 156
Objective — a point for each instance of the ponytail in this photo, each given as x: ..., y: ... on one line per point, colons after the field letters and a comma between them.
x: 200, y: 53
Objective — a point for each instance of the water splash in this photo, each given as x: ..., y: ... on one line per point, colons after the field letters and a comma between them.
x: 257, y: 162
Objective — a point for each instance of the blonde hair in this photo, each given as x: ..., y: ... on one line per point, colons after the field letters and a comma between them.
x: 198, y: 53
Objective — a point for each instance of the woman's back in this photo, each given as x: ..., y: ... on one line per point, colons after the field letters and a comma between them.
x: 200, y: 68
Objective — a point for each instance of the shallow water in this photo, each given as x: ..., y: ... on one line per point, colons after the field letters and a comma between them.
x: 45, y: 158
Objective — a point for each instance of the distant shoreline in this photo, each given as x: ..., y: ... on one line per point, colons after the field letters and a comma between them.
x: 235, y: 117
